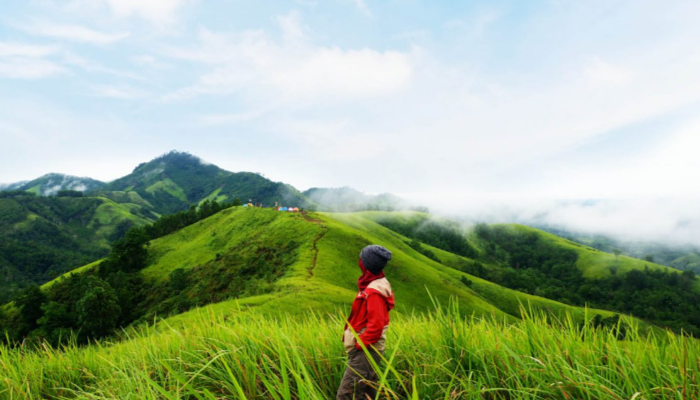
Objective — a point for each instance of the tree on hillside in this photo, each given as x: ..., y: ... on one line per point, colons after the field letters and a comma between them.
x: 98, y: 311
x: 649, y: 258
x: 128, y: 254
x: 128, y: 289
x: 29, y: 303
x: 617, y: 252
x: 56, y: 322
x: 687, y: 279
x: 237, y: 202
x: 178, y: 280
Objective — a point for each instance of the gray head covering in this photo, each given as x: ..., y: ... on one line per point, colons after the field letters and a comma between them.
x: 374, y: 257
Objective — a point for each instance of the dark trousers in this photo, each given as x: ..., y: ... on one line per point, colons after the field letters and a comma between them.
x: 360, y: 378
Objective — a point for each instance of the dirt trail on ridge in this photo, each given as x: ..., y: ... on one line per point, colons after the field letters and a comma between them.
x: 318, y: 237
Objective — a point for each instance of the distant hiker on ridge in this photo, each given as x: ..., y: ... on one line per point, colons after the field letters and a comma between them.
x: 369, y: 318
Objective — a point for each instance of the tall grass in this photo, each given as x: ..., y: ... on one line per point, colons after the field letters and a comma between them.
x: 429, y: 356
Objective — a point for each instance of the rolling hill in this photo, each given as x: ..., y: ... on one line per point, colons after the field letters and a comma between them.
x: 264, y: 258
x: 271, y: 262
x: 684, y: 257
x: 60, y: 228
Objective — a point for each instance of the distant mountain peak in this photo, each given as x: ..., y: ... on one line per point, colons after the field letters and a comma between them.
x: 174, y: 158
x: 176, y: 155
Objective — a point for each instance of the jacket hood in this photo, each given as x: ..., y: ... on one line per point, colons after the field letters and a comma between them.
x: 367, y: 277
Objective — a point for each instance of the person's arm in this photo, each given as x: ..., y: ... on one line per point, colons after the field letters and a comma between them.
x: 376, y: 317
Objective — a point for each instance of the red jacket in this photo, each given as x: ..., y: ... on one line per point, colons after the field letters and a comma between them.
x: 369, y: 316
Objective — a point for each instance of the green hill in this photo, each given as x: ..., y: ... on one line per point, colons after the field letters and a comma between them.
x: 687, y: 262
x: 175, y: 180
x: 543, y: 264
x: 593, y: 262
x: 271, y: 262
x: 684, y: 257
x: 43, y: 237
x: 73, y: 221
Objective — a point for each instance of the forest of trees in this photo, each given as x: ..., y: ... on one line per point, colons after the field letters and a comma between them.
x: 42, y: 237
x: 86, y: 305
x: 538, y: 267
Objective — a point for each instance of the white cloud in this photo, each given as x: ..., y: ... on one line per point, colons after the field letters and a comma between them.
x: 293, y: 70
x: 666, y: 170
x: 11, y: 49
x: 149, y: 61
x: 291, y: 26
x: 666, y: 220
x: 28, y: 68
x: 25, y: 61
x: 362, y: 6
x: 670, y: 220
x: 336, y: 141
x: 120, y: 92
x: 161, y: 12
x: 74, y: 60
x: 74, y: 33
x: 600, y: 72
x: 230, y: 118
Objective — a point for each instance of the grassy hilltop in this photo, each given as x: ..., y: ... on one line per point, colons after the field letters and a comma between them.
x: 296, y: 263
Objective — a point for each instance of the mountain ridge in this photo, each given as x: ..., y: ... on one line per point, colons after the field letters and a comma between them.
x: 50, y: 184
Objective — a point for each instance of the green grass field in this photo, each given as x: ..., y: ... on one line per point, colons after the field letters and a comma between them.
x: 435, y: 355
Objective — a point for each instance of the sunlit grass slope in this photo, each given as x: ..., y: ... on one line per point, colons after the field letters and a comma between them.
x: 324, y: 274
x: 481, y: 292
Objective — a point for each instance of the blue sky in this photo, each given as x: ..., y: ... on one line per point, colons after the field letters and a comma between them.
x: 443, y: 101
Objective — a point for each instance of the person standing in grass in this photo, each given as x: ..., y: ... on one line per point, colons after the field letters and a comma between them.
x: 369, y: 318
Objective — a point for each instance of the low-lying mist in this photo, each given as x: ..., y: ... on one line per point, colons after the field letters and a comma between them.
x: 668, y: 221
